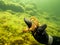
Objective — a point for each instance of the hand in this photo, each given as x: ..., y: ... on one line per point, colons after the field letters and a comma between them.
x: 31, y: 24
x: 39, y: 32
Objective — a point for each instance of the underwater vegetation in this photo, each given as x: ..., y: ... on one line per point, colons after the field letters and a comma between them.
x: 29, y: 8
x: 12, y: 23
x: 12, y: 7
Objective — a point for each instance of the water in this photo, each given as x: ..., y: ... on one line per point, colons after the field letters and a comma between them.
x: 13, y: 12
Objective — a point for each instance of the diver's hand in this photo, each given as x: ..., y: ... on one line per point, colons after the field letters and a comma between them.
x: 40, y: 34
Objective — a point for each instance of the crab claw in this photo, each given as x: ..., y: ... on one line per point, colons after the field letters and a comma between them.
x: 28, y: 22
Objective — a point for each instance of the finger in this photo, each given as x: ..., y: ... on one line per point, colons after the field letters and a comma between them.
x: 28, y: 22
x: 44, y: 27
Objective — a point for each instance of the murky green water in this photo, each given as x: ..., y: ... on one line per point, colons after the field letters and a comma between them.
x: 12, y: 13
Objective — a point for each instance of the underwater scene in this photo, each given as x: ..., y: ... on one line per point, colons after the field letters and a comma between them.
x: 12, y: 23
